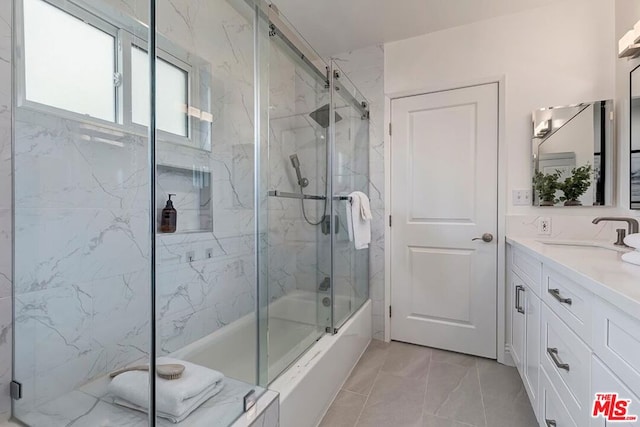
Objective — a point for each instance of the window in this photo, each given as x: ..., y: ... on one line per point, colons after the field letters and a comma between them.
x: 85, y: 63
x: 171, y: 98
x: 69, y: 64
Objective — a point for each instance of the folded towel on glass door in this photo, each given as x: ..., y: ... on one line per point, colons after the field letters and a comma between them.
x: 359, y: 220
x: 175, y: 399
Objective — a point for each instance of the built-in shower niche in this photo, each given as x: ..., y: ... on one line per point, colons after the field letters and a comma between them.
x: 192, y: 200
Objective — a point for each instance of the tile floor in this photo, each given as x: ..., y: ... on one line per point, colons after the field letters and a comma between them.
x: 398, y: 384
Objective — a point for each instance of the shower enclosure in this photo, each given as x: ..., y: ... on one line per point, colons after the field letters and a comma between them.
x: 260, y: 140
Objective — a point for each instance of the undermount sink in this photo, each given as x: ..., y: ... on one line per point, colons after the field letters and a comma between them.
x: 584, y: 244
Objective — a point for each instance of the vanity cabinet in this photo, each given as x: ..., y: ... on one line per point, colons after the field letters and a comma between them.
x: 525, y: 323
x: 568, y: 343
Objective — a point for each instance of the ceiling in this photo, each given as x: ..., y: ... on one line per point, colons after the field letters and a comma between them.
x: 336, y: 26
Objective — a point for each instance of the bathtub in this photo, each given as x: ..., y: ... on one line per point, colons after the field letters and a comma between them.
x: 310, y: 382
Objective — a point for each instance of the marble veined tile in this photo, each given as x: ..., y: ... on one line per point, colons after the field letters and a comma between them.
x: 5, y: 354
x: 5, y: 253
x: 94, y: 408
x: 453, y: 392
x: 394, y: 401
x: 56, y: 247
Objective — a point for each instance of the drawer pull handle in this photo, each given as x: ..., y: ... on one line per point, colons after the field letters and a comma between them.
x: 553, y: 352
x: 556, y: 294
x: 550, y: 423
x: 518, y: 306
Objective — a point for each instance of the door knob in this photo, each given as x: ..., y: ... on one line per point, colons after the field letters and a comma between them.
x: 486, y: 237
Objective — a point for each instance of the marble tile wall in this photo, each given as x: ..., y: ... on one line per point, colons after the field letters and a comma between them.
x: 82, y: 271
x: 365, y: 68
x: 564, y: 227
x: 5, y: 208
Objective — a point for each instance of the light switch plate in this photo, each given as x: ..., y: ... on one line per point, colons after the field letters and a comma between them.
x: 521, y: 197
x: 544, y: 226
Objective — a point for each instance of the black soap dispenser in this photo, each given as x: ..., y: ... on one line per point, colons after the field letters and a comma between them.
x: 169, y: 217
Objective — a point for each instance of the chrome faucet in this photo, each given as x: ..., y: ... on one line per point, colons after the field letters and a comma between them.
x: 633, y: 227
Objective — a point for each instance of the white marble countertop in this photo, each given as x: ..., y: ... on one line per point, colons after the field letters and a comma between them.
x: 599, y: 269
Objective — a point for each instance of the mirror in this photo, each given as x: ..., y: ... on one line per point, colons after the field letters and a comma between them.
x: 635, y: 140
x: 573, y: 155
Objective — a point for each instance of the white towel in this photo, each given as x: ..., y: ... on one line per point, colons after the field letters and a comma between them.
x: 197, y: 402
x: 175, y: 399
x: 633, y: 240
x: 632, y: 257
x: 359, y: 220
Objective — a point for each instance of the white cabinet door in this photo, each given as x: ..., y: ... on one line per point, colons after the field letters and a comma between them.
x: 604, y: 381
x: 531, y: 369
x: 518, y: 322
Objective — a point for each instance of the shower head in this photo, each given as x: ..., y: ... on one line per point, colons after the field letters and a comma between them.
x: 321, y: 116
x: 295, y: 162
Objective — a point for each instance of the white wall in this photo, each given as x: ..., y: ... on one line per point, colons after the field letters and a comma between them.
x: 554, y: 55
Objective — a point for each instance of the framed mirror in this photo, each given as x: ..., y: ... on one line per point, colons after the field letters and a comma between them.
x: 572, y: 151
x: 634, y: 177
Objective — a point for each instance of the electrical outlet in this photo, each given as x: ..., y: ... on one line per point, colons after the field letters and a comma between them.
x: 208, y: 253
x: 191, y: 256
x: 544, y: 226
x: 521, y: 197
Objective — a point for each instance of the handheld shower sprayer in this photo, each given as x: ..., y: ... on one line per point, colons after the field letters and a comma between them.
x: 295, y: 162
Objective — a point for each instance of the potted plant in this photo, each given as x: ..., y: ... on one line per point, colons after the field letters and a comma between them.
x: 546, y: 186
x: 576, y: 185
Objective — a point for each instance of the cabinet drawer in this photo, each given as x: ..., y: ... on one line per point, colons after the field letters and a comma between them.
x: 616, y: 340
x: 604, y: 381
x: 553, y: 413
x: 528, y: 268
x: 570, y: 301
x: 567, y: 361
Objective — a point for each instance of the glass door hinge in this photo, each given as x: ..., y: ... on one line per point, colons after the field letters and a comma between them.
x: 15, y: 390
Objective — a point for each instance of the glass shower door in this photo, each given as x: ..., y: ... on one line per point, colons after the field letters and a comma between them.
x: 82, y: 229
x: 299, y: 282
x: 350, y: 173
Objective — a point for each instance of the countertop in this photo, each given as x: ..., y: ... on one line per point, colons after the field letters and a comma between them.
x: 599, y: 270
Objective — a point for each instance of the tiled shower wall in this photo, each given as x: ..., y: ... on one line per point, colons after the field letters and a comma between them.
x: 5, y: 208
x: 365, y: 68
x: 82, y: 234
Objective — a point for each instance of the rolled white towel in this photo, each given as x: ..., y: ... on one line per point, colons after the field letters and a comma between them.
x: 633, y: 240
x: 174, y: 398
x: 632, y: 257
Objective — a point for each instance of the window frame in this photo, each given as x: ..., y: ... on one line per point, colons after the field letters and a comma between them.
x: 128, y: 44
x: 21, y: 80
x: 124, y: 33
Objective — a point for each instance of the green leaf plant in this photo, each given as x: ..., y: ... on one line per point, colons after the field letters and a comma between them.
x: 546, y: 186
x: 576, y: 185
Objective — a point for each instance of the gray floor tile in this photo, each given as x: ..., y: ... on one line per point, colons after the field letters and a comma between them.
x: 453, y: 391
x: 505, y: 399
x: 407, y: 360
x: 451, y: 357
x: 435, y: 421
x: 394, y: 401
x: 397, y: 384
x: 364, y: 374
x: 344, y: 410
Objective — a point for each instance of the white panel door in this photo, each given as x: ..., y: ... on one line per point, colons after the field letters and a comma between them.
x: 444, y: 179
